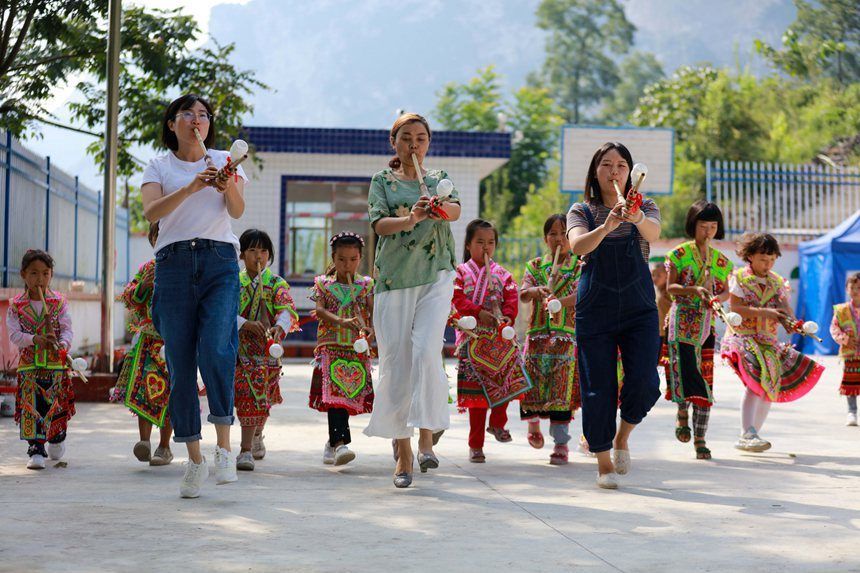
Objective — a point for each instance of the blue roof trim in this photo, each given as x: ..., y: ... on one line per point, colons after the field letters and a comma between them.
x: 373, y: 142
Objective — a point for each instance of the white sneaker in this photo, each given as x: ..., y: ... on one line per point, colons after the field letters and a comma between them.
x: 37, y: 462
x: 607, y: 481
x: 225, y: 466
x: 328, y: 455
x: 258, y: 448
x: 57, y: 451
x: 245, y: 462
x: 195, y: 475
x: 343, y: 455
x: 751, y: 442
x: 852, y: 419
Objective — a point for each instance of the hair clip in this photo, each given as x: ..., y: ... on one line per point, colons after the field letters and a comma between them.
x: 343, y: 235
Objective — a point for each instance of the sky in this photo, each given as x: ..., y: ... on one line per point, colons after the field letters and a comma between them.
x: 339, y: 63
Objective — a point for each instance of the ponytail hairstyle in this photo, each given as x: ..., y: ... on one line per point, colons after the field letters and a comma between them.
x: 343, y: 239
x: 36, y: 255
x: 152, y: 236
x: 405, y: 119
x: 471, y: 228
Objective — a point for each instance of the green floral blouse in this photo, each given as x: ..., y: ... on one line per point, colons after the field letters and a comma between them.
x: 409, y: 258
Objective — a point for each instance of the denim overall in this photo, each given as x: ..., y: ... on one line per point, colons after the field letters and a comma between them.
x: 616, y: 310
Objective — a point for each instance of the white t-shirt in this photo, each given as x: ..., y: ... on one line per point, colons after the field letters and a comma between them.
x: 203, y: 215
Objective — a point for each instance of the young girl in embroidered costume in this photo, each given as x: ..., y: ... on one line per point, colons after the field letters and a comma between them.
x: 845, y: 330
x: 39, y: 325
x: 490, y: 369
x: 143, y: 384
x: 341, y: 384
x: 770, y: 370
x: 697, y: 274
x: 660, y: 278
x: 550, y: 349
x: 266, y: 315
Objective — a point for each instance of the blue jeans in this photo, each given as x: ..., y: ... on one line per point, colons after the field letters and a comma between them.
x: 616, y: 310
x: 194, y: 307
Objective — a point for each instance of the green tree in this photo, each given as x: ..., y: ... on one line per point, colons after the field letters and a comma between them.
x: 530, y: 114
x: 585, y: 39
x: 823, y: 40
x: 676, y: 101
x: 638, y: 71
x: 44, y: 45
x: 473, y: 106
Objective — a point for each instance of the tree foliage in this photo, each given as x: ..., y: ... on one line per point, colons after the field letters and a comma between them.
x: 48, y: 45
x: 585, y: 38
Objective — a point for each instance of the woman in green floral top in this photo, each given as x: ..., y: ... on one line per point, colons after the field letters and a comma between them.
x: 415, y: 265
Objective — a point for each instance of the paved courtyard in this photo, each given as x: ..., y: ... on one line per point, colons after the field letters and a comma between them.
x: 793, y: 508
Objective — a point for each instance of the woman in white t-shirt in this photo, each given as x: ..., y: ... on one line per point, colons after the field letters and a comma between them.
x: 196, y: 290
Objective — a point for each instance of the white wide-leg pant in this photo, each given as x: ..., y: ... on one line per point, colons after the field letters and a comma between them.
x: 409, y: 391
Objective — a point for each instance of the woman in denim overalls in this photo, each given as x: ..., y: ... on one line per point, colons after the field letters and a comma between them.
x: 616, y: 309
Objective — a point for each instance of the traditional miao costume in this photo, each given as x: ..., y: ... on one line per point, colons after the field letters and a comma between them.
x: 772, y: 371
x: 266, y: 299
x: 490, y: 369
x: 550, y: 351
x: 143, y: 384
x: 845, y: 330
x: 44, y: 400
x: 691, y: 334
x: 341, y: 384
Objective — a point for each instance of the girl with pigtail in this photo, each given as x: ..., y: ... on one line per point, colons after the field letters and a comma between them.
x: 341, y: 385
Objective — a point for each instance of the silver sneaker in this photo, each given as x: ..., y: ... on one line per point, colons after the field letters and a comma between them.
x: 328, y: 455
x: 245, y: 462
x: 56, y: 451
x: 751, y: 442
x: 343, y: 455
x: 37, y: 462
x: 161, y: 457
x: 258, y: 448
x: 225, y: 466
x: 195, y: 475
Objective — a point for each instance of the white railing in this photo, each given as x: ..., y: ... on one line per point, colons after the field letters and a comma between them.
x: 793, y: 202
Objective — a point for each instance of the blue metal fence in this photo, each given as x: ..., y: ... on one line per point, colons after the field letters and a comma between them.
x: 45, y: 208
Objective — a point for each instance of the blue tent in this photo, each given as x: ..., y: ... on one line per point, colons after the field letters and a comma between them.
x: 824, y: 266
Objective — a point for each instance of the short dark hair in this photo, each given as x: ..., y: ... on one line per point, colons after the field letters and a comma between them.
x: 703, y: 210
x: 168, y: 137
x: 550, y: 221
x: 471, y: 228
x: 257, y: 239
x: 591, y: 192
x: 852, y: 279
x: 757, y: 243
x: 36, y: 255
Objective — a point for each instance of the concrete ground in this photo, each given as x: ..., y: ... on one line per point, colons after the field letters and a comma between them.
x: 794, y: 508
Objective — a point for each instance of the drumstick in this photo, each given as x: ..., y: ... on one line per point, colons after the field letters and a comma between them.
x: 618, y: 192
x: 206, y: 156
x: 361, y: 324
x: 56, y: 346
x: 554, y: 271
x: 421, y: 184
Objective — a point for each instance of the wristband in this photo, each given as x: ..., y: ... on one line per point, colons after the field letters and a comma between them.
x: 640, y: 221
